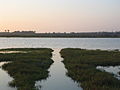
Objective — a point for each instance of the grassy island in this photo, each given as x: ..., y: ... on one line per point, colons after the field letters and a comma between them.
x: 26, y: 66
x: 81, y: 65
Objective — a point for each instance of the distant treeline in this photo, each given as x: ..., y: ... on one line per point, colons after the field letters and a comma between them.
x: 71, y: 35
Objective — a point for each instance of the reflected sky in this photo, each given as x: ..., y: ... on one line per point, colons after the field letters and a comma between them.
x: 57, y: 70
x: 111, y: 69
x: 5, y: 79
x: 58, y: 79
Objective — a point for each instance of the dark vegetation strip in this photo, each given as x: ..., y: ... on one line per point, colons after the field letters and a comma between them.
x: 81, y: 65
x: 26, y: 68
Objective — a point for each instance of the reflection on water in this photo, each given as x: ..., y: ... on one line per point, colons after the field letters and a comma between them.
x: 12, y: 52
x: 111, y: 69
x: 88, y: 43
x: 4, y: 79
x: 58, y: 79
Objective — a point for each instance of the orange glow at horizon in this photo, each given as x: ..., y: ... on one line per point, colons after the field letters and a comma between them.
x: 60, y: 15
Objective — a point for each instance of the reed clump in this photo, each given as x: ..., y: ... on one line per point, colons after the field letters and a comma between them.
x: 27, y: 68
x: 81, y: 65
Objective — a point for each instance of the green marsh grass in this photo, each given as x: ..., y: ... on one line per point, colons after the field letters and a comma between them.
x: 81, y: 65
x: 27, y: 68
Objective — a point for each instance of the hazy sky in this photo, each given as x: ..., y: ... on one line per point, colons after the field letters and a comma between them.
x: 60, y: 15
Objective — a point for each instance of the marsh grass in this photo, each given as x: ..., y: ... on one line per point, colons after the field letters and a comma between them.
x: 81, y: 65
x: 26, y: 68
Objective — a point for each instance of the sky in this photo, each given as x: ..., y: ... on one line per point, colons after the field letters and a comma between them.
x: 60, y: 15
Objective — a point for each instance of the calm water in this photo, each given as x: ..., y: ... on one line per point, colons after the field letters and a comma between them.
x: 58, y: 79
x: 111, y: 69
x: 89, y: 43
x: 4, y: 79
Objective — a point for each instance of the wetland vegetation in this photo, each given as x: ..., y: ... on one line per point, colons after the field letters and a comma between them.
x: 28, y: 67
x: 81, y: 65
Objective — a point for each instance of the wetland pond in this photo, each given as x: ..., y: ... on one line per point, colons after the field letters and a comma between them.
x: 5, y: 79
x: 115, y: 70
x: 58, y: 80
